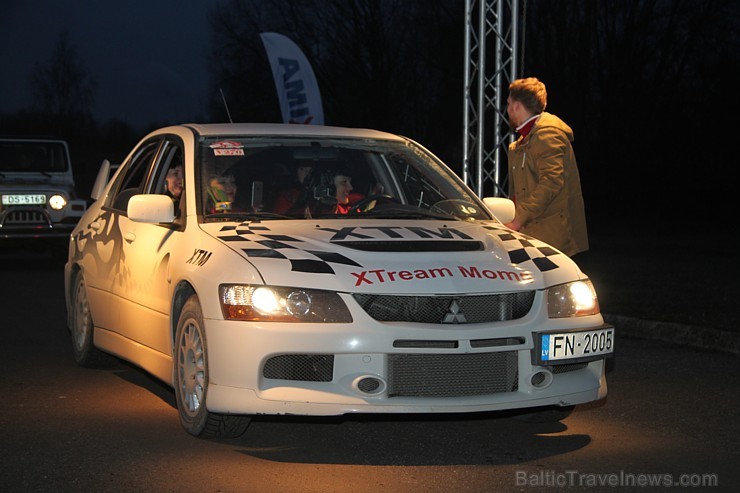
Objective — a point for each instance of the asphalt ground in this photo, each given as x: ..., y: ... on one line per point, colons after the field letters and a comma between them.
x: 679, y: 286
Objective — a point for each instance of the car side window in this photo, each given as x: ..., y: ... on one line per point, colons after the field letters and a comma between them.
x: 171, y: 157
x: 133, y: 178
x: 169, y: 178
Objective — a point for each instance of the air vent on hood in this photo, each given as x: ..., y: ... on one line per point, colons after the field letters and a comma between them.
x: 414, y: 245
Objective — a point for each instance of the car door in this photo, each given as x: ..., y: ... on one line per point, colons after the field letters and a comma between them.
x: 143, y: 279
x: 102, y: 241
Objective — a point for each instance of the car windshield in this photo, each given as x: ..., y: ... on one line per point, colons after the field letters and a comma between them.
x: 304, y: 177
x: 30, y: 156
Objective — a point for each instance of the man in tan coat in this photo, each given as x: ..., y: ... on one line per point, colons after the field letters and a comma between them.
x: 543, y: 176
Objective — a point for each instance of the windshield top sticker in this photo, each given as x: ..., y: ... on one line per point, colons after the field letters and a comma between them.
x: 227, y: 148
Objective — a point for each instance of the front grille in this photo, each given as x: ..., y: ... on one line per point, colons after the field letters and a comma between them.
x: 25, y: 217
x: 452, y: 375
x: 300, y: 367
x: 447, y: 309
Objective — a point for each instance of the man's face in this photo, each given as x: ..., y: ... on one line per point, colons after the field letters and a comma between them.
x: 174, y: 180
x: 343, y: 185
x: 513, y: 110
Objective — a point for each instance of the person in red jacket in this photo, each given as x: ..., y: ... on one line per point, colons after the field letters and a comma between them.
x: 294, y: 199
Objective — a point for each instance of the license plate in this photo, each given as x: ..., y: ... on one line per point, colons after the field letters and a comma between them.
x: 31, y: 199
x: 575, y: 346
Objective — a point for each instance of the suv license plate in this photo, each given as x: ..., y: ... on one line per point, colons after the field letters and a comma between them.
x: 35, y: 199
x: 575, y: 346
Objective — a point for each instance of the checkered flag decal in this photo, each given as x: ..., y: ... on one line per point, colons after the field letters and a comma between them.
x: 258, y: 242
x: 523, y: 249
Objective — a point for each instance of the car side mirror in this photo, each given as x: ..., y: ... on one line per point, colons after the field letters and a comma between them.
x: 151, y: 208
x: 500, y: 207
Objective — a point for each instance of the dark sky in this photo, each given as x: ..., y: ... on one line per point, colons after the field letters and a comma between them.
x: 148, y: 57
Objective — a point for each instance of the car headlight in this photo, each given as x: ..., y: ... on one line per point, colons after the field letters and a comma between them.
x: 574, y: 299
x: 281, y: 304
x: 57, y: 202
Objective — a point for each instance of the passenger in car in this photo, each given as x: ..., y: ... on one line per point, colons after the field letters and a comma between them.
x: 294, y: 199
x: 175, y: 184
x: 222, y: 192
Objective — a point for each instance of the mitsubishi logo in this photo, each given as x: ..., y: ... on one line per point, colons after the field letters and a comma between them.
x: 454, y: 316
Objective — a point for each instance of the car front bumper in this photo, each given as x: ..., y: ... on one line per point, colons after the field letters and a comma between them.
x: 36, y: 222
x: 334, y: 369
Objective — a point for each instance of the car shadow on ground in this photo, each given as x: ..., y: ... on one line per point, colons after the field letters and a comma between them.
x: 133, y: 374
x: 482, y: 438
x: 406, y: 440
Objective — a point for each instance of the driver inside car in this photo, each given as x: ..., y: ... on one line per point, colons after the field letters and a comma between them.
x: 334, y: 193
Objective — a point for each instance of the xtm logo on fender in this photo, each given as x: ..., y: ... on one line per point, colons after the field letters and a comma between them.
x: 199, y: 257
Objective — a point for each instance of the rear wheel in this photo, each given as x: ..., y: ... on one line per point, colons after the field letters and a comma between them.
x: 191, y: 379
x: 81, y: 329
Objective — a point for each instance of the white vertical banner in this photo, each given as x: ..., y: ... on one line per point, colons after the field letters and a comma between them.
x: 298, y: 92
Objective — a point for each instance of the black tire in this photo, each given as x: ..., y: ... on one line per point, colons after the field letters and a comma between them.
x: 548, y: 414
x: 82, y: 328
x: 191, y: 379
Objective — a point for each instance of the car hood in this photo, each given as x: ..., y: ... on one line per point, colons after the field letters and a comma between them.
x: 398, y: 256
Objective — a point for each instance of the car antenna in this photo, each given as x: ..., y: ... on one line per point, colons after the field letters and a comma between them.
x: 223, y: 98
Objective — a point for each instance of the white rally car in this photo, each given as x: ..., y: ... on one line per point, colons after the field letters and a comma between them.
x: 322, y: 271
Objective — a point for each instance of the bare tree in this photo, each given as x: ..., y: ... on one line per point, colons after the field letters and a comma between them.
x: 388, y: 64
x: 62, y: 88
x: 639, y: 81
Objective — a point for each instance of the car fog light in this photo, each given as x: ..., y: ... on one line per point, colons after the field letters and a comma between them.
x: 57, y: 202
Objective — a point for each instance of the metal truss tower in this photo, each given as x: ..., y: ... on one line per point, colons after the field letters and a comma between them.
x: 491, y: 54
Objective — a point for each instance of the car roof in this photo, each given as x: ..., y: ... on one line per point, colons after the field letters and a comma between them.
x: 279, y: 129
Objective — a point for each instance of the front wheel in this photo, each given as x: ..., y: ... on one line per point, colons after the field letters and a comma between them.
x: 191, y: 379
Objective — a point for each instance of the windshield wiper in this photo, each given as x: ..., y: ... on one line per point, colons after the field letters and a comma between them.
x: 246, y: 215
x: 405, y: 214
